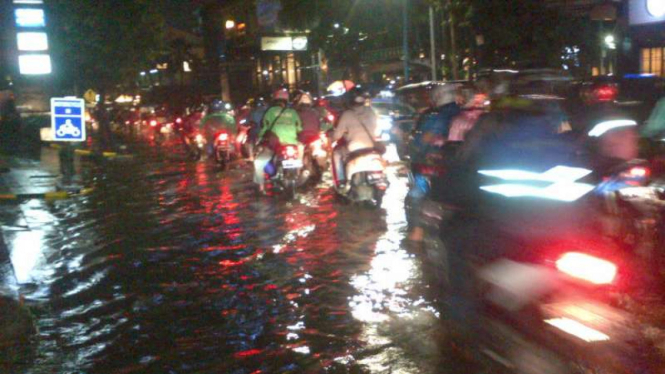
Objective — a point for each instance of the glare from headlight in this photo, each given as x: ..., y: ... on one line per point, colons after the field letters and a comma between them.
x: 385, y: 123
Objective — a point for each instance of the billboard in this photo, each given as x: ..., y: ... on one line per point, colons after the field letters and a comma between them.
x: 643, y: 12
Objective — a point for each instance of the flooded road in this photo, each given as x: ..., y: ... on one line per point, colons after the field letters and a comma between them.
x: 170, y: 266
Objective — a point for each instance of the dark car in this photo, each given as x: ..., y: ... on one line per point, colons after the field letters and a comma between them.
x: 633, y: 94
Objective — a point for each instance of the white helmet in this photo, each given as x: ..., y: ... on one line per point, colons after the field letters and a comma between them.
x: 443, y: 94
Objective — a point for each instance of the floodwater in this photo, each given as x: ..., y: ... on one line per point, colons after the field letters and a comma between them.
x: 170, y: 266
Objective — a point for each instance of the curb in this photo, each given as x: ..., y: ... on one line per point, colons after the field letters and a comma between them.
x: 49, y: 196
x: 90, y: 153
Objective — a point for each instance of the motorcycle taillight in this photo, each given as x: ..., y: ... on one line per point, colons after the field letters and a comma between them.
x: 290, y: 152
x: 223, y: 137
x: 588, y: 268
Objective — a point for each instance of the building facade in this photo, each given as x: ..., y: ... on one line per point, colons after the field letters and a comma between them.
x: 646, y: 19
x: 26, y: 64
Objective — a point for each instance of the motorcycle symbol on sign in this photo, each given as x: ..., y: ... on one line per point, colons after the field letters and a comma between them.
x: 68, y: 128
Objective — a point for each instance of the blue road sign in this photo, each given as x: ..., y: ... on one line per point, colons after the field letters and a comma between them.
x: 67, y: 119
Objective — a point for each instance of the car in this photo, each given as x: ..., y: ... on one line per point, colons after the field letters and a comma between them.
x: 396, y: 120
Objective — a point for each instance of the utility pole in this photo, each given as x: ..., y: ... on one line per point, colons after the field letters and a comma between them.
x: 406, y: 41
x: 432, y: 42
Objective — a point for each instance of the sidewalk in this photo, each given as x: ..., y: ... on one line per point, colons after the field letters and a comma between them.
x: 34, y: 177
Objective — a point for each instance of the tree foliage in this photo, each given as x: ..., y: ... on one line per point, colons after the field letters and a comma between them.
x: 106, y: 43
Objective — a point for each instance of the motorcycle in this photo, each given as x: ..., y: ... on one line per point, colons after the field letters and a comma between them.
x: 156, y: 130
x: 194, y: 144
x: 315, y: 158
x: 367, y: 181
x: 285, y: 169
x: 551, y: 311
x: 224, y: 149
x: 548, y: 304
x: 246, y: 144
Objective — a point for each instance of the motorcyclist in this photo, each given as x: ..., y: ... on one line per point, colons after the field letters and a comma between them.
x: 219, y: 118
x: 489, y: 208
x: 433, y: 126
x: 357, y: 128
x: 430, y: 135
x: 475, y: 106
x: 280, y: 126
x: 311, y: 120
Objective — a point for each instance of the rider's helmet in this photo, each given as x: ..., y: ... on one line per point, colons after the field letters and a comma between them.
x: 443, y: 94
x: 281, y: 95
x: 357, y: 96
x: 304, y: 99
x: 217, y: 106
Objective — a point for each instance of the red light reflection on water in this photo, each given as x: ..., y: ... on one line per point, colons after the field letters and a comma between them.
x: 248, y: 353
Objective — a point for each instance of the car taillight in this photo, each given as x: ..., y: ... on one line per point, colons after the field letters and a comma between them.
x: 290, y: 152
x: 153, y: 123
x: 605, y: 93
x: 223, y: 137
x: 587, y: 267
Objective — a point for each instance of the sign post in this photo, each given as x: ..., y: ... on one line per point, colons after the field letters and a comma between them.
x: 68, y: 126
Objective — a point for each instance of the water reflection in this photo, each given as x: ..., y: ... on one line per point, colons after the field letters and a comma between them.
x: 174, y: 267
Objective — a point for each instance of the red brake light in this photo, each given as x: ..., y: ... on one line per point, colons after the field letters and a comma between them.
x: 606, y: 93
x: 178, y: 120
x: 153, y: 123
x: 223, y: 137
x: 331, y: 118
x: 290, y: 151
x: 587, y: 267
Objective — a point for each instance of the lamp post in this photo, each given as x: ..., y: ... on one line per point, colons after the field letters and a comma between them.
x: 406, y: 41
x: 432, y: 41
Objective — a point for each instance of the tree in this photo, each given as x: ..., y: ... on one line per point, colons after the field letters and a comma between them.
x: 105, y: 44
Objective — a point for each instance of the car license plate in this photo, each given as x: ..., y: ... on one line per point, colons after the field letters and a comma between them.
x: 291, y: 164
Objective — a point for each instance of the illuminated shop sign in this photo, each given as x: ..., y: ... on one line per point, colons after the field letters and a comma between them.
x: 29, y: 17
x: 284, y: 43
x: 32, y: 41
x: 34, y: 64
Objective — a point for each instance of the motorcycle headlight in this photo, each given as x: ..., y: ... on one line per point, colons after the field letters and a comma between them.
x: 385, y: 123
